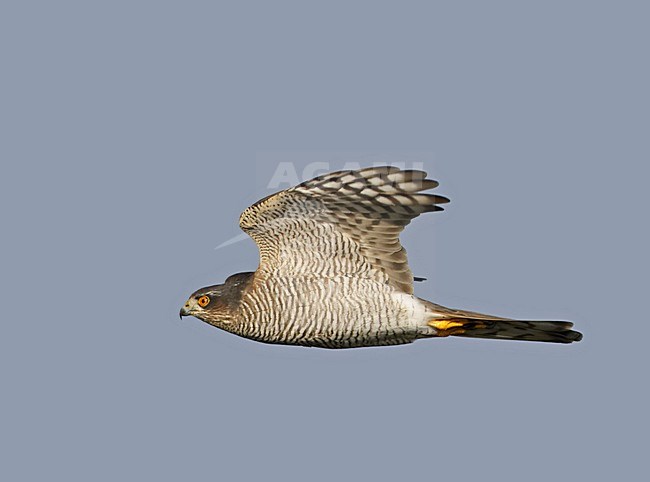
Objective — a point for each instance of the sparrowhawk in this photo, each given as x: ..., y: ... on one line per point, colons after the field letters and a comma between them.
x: 333, y: 273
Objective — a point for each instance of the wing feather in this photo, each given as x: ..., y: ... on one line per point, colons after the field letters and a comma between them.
x: 342, y: 223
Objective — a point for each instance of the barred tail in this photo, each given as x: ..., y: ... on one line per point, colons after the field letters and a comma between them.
x: 447, y: 322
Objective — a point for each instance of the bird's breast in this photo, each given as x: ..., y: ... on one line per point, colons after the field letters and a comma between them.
x: 337, y: 311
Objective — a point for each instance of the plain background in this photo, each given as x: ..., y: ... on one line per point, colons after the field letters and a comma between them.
x: 133, y: 135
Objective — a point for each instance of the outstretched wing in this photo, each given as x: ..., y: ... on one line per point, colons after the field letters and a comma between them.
x: 345, y: 223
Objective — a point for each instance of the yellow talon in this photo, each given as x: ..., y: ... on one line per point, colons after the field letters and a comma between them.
x: 445, y: 324
x: 447, y: 327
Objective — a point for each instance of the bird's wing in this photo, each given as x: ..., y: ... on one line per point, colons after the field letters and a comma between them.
x: 345, y: 223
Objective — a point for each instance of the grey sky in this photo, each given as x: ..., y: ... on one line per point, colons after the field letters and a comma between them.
x: 134, y: 133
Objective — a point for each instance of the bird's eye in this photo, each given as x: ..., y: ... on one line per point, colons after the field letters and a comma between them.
x: 203, y: 301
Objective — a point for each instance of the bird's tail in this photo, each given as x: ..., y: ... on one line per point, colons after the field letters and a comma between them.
x: 447, y: 322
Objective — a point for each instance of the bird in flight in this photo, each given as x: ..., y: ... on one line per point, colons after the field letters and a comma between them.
x: 333, y: 273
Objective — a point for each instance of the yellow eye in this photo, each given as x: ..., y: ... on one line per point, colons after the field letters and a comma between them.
x: 203, y: 301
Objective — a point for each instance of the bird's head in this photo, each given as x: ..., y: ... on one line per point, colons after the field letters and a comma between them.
x: 217, y: 304
x: 203, y: 303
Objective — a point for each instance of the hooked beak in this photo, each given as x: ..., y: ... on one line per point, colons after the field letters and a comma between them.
x: 185, y: 310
